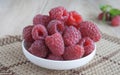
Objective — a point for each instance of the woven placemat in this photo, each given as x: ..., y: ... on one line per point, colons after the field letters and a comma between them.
x: 106, y: 60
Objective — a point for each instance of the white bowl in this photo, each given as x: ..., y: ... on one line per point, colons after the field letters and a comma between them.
x: 57, y: 65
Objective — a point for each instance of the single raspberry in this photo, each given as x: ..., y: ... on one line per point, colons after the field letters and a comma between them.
x: 55, y: 26
x: 54, y: 57
x: 28, y: 44
x: 27, y: 33
x: 55, y: 44
x: 59, y: 13
x: 39, y: 32
x: 88, y: 45
x: 104, y: 15
x: 73, y: 52
x: 39, y: 48
x: 74, y: 19
x: 89, y: 29
x: 116, y: 21
x: 71, y: 36
x: 41, y: 19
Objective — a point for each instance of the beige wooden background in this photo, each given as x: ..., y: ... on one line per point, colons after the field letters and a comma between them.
x: 16, y: 14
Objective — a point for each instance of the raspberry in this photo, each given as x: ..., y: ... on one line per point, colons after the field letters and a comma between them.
x: 107, y: 16
x: 54, y: 57
x: 88, y: 45
x: 27, y: 44
x: 89, y: 29
x: 55, y: 26
x: 116, y: 21
x: 71, y: 36
x: 41, y: 19
x: 39, y: 48
x: 27, y: 33
x: 55, y: 44
x: 74, y: 19
x: 73, y: 52
x: 39, y: 32
x: 59, y: 13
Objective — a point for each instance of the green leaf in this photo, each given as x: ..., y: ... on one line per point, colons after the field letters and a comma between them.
x: 114, y: 12
x: 106, y: 8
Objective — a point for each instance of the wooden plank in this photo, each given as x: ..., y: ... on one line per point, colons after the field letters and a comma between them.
x: 16, y: 14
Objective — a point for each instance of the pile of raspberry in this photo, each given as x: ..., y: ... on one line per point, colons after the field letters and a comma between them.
x: 61, y: 35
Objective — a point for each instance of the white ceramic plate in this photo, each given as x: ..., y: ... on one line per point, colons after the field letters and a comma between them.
x: 57, y: 65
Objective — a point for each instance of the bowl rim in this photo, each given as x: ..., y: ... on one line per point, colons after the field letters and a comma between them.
x: 63, y: 61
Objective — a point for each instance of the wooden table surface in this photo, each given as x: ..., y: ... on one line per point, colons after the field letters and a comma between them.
x: 16, y: 14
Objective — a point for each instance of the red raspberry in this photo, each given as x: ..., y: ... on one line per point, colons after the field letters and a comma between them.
x: 39, y: 32
x: 27, y: 33
x: 116, y: 21
x: 41, y: 19
x: 55, y: 44
x: 74, y: 19
x: 73, y: 52
x: 28, y: 44
x: 55, y: 26
x: 39, y: 48
x: 107, y: 16
x: 88, y: 45
x: 71, y: 36
x: 59, y: 13
x: 89, y: 29
x: 54, y: 57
